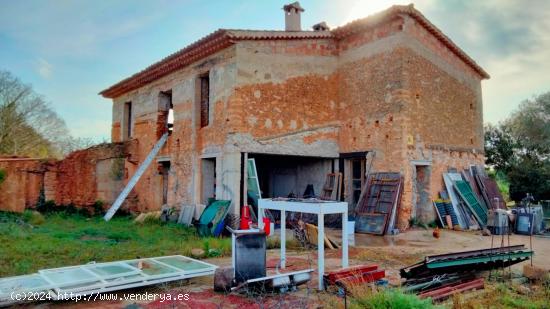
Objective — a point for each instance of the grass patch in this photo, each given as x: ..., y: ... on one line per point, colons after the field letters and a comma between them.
x: 506, y: 295
x: 390, y: 298
x: 34, y: 241
x: 503, y: 183
x: 275, y: 243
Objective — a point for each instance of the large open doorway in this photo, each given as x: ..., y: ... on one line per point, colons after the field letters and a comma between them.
x: 290, y: 176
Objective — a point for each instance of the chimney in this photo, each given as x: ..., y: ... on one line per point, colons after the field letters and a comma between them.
x: 292, y: 16
x: 322, y: 26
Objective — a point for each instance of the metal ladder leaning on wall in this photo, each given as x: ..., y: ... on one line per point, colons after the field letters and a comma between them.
x: 122, y: 196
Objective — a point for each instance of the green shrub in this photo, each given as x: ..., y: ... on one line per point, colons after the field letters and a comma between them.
x: 117, y: 169
x: 3, y: 175
x: 85, y: 212
x: 33, y: 217
x: 46, y: 207
x: 70, y: 209
x: 98, y: 208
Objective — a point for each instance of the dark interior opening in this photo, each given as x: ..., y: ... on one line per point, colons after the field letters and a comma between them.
x: 164, y: 172
x: 204, y: 99
x: 289, y: 176
x: 127, y: 121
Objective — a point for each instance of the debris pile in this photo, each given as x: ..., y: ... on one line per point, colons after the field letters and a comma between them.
x: 440, y: 276
x: 472, y: 201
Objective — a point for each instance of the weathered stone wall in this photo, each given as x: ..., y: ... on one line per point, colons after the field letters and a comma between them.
x: 188, y: 141
x: 80, y: 179
x: 21, y: 187
x: 285, y: 99
x: 393, y: 89
x: 405, y: 96
x: 89, y: 175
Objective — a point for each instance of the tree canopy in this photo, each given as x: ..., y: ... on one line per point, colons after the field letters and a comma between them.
x: 28, y: 124
x: 520, y: 147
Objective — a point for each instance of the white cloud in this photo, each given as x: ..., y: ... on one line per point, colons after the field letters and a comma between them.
x: 44, y: 68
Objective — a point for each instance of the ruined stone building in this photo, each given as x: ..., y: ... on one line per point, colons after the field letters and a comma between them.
x: 302, y: 104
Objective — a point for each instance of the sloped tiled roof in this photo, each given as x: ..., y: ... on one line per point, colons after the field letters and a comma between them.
x: 223, y: 38
x: 204, y: 47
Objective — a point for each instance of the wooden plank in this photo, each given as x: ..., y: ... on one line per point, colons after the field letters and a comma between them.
x: 312, y: 234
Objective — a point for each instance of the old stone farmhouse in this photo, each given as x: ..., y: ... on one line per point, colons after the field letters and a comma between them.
x: 303, y: 103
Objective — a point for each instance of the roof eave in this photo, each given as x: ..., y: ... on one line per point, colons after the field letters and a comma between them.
x: 208, y: 45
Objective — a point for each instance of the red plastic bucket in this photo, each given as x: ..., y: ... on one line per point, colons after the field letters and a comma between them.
x: 267, y: 226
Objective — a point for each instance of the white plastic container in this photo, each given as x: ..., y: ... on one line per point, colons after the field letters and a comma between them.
x: 271, y: 228
x: 351, y: 227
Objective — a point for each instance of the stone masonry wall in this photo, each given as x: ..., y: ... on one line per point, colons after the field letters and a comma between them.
x: 80, y: 179
x: 21, y: 187
x: 76, y: 176
x: 188, y: 142
x: 285, y: 99
x: 393, y: 89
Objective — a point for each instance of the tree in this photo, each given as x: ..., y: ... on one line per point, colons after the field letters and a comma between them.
x: 28, y: 125
x: 530, y: 125
x: 529, y: 175
x: 499, y: 147
x: 520, y: 147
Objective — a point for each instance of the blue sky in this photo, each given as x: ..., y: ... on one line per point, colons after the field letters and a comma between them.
x: 71, y: 50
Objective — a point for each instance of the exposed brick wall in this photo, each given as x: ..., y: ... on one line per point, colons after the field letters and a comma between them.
x: 370, y: 35
x: 442, y: 109
x: 414, y: 29
x: 22, y: 185
x: 116, y: 133
x: 371, y: 109
x: 73, y: 180
x: 296, y: 104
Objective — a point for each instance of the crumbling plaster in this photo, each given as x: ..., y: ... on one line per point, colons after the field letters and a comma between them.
x: 187, y: 142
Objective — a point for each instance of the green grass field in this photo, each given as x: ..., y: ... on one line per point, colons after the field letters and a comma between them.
x: 30, y: 241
